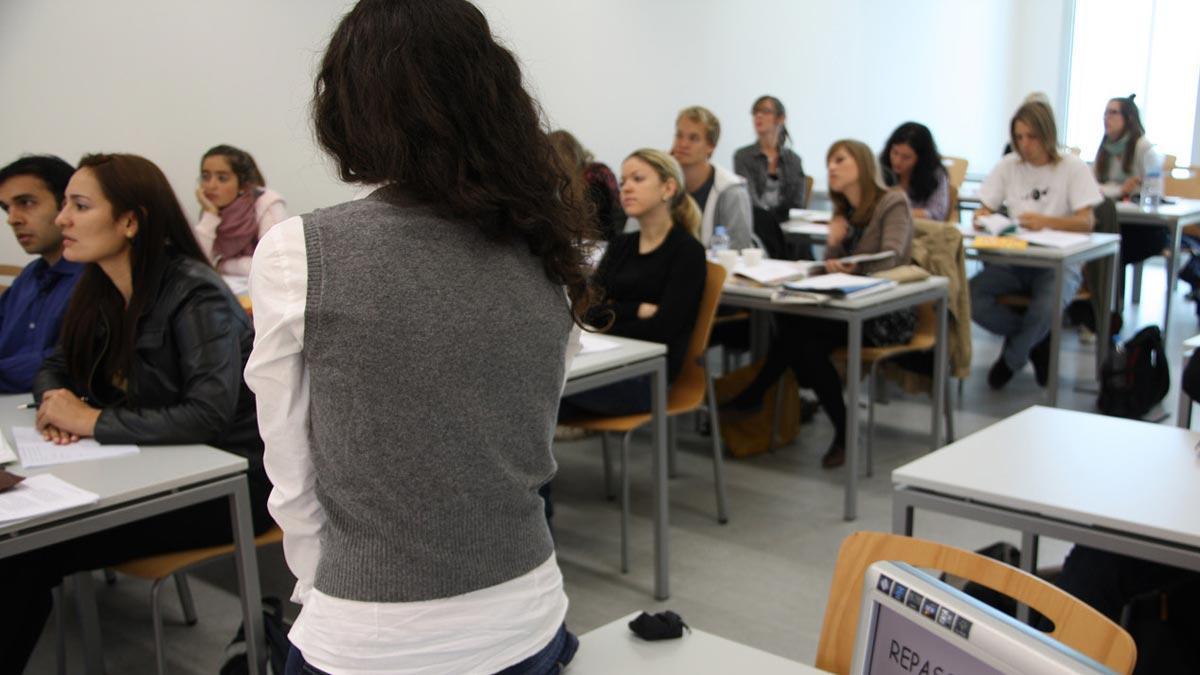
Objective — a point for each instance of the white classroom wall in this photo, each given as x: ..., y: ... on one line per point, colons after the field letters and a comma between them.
x: 170, y: 78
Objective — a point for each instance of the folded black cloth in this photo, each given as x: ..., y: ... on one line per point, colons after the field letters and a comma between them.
x: 662, y: 626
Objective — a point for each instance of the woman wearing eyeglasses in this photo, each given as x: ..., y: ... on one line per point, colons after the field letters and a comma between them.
x: 1041, y: 190
x: 770, y: 166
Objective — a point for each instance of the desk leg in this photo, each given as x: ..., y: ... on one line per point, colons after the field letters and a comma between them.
x: 1104, y: 330
x: 853, y: 374
x: 1183, y: 414
x: 941, y: 357
x: 658, y: 402
x: 89, y: 623
x: 902, y: 515
x: 1029, y: 560
x: 246, y: 558
x: 1172, y: 266
x: 1055, y: 339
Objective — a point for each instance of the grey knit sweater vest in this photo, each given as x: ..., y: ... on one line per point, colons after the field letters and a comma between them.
x: 435, y: 361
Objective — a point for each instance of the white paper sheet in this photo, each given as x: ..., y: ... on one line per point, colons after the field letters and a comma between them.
x: 771, y: 272
x: 37, y: 452
x: 811, y: 215
x: 6, y: 452
x: 239, y: 285
x: 590, y: 344
x: 40, y: 495
x: 1053, y: 238
x: 996, y: 224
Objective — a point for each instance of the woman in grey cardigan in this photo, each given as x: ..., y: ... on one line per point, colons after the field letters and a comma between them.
x: 771, y: 168
x: 410, y: 354
x: 868, y: 218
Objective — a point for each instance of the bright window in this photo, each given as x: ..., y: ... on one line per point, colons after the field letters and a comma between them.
x: 1142, y: 47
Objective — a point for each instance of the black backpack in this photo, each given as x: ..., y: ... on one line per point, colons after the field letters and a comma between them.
x: 1135, y: 377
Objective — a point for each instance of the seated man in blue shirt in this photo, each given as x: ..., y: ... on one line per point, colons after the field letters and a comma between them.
x: 31, y: 193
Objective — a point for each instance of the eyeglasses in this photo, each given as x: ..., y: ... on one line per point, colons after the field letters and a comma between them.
x: 1112, y: 113
x: 763, y: 111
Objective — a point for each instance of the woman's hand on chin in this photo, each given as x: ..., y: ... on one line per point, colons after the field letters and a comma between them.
x: 65, y: 418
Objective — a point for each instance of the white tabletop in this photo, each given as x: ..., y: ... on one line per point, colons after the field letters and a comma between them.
x: 119, y: 480
x: 1179, y: 209
x: 1083, y: 468
x: 1095, y: 240
x: 734, y: 289
x: 613, y: 648
x: 628, y: 351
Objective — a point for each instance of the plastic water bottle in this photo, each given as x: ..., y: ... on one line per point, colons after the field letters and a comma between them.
x: 719, y: 241
x: 1152, y: 182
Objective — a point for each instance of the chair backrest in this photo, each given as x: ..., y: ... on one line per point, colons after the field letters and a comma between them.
x: 10, y: 270
x: 956, y: 170
x: 1076, y: 625
x: 689, y: 386
x: 952, y: 208
x: 1187, y: 186
x: 808, y: 183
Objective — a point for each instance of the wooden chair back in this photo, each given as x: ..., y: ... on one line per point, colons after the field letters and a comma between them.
x: 952, y: 210
x: 808, y: 184
x: 1187, y: 186
x: 1075, y: 624
x: 688, y: 389
x: 956, y: 170
x: 8, y: 271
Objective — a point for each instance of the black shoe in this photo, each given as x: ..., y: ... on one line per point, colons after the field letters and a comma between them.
x: 1000, y: 374
x: 834, y: 457
x: 1039, y: 356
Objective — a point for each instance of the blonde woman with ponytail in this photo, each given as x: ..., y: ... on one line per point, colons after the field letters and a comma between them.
x: 650, y: 280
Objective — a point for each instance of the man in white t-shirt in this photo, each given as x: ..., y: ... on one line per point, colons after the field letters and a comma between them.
x: 1041, y: 190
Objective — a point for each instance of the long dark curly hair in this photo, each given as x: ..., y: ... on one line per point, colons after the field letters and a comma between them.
x: 928, y: 170
x: 417, y: 94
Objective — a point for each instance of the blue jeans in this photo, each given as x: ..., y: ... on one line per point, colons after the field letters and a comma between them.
x: 1020, y: 331
x: 552, y: 659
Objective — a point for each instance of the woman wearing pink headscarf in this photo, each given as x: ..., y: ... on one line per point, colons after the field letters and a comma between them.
x: 238, y: 209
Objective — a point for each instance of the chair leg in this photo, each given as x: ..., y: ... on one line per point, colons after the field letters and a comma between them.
x: 961, y: 382
x: 160, y: 658
x: 60, y: 628
x: 185, y: 599
x: 718, y: 457
x: 949, y: 413
x: 625, y: 502
x: 609, y: 493
x: 872, y: 383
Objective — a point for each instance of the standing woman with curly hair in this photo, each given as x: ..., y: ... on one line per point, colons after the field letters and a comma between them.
x: 411, y: 352
x: 910, y: 160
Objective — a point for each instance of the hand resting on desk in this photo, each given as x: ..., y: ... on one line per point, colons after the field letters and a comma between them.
x: 65, y: 418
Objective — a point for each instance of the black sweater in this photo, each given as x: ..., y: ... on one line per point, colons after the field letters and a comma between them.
x: 671, y: 276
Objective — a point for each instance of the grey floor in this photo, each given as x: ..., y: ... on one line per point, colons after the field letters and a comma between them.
x: 762, y: 579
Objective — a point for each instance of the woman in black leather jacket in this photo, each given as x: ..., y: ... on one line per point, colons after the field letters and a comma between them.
x: 152, y: 352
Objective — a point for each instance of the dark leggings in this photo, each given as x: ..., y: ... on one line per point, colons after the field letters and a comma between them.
x: 804, y: 344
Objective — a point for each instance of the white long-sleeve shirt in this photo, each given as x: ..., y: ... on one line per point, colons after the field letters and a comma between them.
x: 482, y: 631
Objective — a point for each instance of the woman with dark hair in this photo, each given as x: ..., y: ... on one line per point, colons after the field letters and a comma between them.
x: 770, y: 166
x: 411, y: 352
x: 599, y: 183
x: 867, y: 218
x: 152, y: 350
x: 911, y: 162
x: 237, y: 209
x: 1119, y: 167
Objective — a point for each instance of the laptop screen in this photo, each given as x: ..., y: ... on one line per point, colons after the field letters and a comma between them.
x: 913, y: 624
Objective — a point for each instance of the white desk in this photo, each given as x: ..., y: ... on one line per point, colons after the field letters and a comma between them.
x: 1120, y: 485
x: 1174, y: 217
x: 855, y: 312
x: 613, y: 648
x: 157, y: 480
x: 635, y: 358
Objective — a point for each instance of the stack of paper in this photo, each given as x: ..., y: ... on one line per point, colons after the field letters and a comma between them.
x: 592, y: 344
x: 40, y: 495
x: 6, y: 453
x: 811, y: 215
x: 35, y: 451
x: 1053, y: 238
x: 996, y: 224
x: 771, y: 272
x: 841, y: 285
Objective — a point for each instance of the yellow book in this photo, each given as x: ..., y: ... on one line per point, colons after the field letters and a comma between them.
x: 988, y: 241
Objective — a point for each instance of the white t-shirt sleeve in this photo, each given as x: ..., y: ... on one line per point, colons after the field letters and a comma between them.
x: 1082, y: 189
x: 994, y: 188
x: 275, y: 373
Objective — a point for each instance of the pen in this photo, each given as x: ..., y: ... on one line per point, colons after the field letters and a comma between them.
x: 27, y: 406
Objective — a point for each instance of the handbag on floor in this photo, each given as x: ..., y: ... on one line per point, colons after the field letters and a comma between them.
x: 1135, y: 376
x: 750, y: 434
